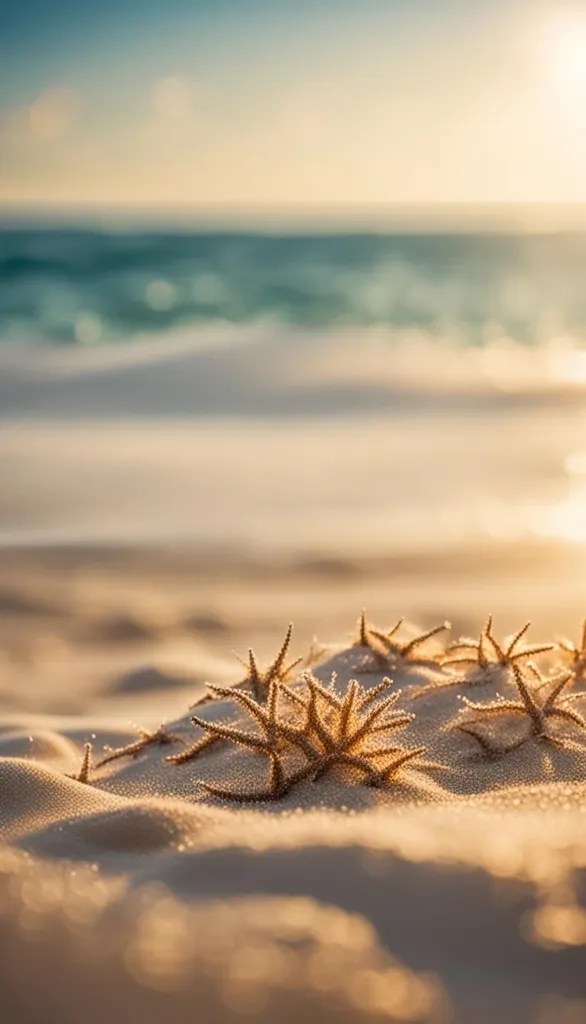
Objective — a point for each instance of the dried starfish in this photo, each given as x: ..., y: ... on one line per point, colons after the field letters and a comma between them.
x: 488, y: 745
x: 146, y: 739
x: 259, y: 681
x: 86, y: 766
x: 577, y: 654
x: 256, y: 680
x: 315, y: 653
x: 488, y: 657
x: 335, y: 730
x: 502, y: 656
x: 385, y: 649
x: 538, y: 710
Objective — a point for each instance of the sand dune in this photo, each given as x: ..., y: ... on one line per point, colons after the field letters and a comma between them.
x: 449, y: 888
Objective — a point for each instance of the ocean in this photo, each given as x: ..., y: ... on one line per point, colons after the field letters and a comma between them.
x: 341, y: 393
x: 89, y: 287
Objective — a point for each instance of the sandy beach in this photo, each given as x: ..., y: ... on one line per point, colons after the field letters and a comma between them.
x: 381, y: 851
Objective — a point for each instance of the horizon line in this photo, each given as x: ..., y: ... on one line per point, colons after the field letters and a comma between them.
x: 444, y: 217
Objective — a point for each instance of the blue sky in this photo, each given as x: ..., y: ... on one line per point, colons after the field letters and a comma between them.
x: 291, y: 101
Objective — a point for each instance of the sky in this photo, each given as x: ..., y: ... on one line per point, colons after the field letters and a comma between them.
x: 251, y: 103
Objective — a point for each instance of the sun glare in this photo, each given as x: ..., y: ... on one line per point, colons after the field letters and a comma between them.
x: 566, y: 47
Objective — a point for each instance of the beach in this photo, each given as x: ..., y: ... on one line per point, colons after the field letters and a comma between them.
x: 168, y: 504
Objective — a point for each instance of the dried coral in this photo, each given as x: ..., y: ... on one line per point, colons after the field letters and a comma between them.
x: 385, y: 650
x: 146, y: 739
x: 327, y: 731
x: 539, y: 710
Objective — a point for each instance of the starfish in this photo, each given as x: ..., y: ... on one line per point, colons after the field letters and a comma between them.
x: 146, y: 739
x: 315, y: 653
x: 385, y: 649
x: 334, y: 730
x: 501, y: 656
x: 577, y: 654
x: 259, y: 681
x: 488, y: 745
x: 86, y: 766
x: 538, y: 710
x: 488, y: 657
x: 256, y: 680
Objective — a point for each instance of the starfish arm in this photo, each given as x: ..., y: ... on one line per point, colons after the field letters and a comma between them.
x: 277, y: 774
x: 529, y: 702
x: 530, y: 652
x: 574, y: 696
x: 487, y: 744
x: 255, y: 675
x: 567, y: 645
x: 515, y: 639
x: 378, y: 752
x: 245, y: 664
x: 318, y: 689
x: 294, y: 697
x: 223, y: 793
x: 397, y: 721
x: 417, y: 641
x: 568, y: 714
x: 226, y: 732
x: 196, y: 748
x: 272, y: 701
x: 347, y: 710
x: 557, y: 688
x: 496, y: 707
x: 465, y: 643
x: 489, y: 635
x: 385, y: 642
x: 361, y: 764
x: 299, y: 738
x: 375, y: 691
x: 362, y: 631
x: 459, y: 661
x: 371, y: 716
x: 556, y: 741
x: 314, y: 722
x: 130, y: 750
x: 256, y: 710
x: 275, y: 670
x: 86, y: 765
x: 386, y: 773
x: 422, y: 691
x: 395, y: 629
x: 289, y: 668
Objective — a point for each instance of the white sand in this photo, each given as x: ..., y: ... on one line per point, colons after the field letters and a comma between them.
x: 450, y: 894
x: 161, y: 509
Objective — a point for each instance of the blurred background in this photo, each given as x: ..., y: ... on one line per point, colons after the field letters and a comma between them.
x: 292, y: 314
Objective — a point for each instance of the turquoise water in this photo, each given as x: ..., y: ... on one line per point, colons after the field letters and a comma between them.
x: 82, y: 287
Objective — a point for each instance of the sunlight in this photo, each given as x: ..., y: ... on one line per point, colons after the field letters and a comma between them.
x: 566, y: 521
x: 565, y: 46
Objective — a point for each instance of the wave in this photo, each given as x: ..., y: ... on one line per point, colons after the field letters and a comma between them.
x: 81, y: 287
x: 279, y: 372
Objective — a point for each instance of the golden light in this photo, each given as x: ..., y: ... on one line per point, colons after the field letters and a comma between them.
x: 565, y: 49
